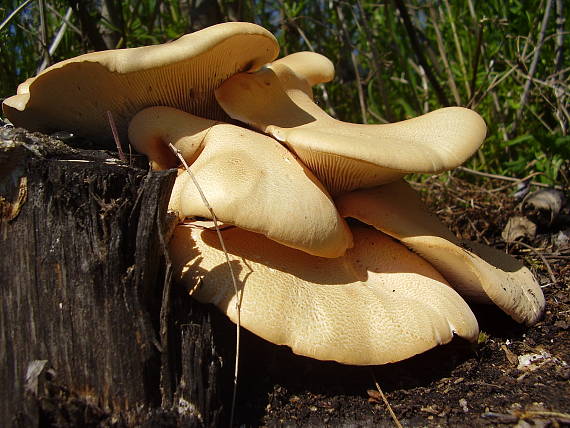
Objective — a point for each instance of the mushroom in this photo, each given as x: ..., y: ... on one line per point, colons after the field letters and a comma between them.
x: 309, y: 69
x: 301, y: 284
x: 346, y: 156
x: 249, y: 179
x: 481, y: 274
x: 75, y: 94
x: 377, y: 304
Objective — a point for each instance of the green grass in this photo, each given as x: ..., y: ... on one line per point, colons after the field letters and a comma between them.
x: 478, y: 54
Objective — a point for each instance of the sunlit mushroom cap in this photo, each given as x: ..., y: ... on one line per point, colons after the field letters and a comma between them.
x: 346, y: 156
x: 249, y: 179
x: 154, y: 130
x: 75, y: 94
x: 479, y: 273
x: 309, y: 69
x: 379, y: 303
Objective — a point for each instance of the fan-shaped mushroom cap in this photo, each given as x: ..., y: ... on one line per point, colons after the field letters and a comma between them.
x: 249, y: 179
x: 309, y: 68
x: 75, y: 94
x: 152, y: 130
x: 379, y: 303
x: 477, y: 272
x: 346, y: 156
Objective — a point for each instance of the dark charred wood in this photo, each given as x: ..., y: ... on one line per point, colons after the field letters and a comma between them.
x: 92, y: 330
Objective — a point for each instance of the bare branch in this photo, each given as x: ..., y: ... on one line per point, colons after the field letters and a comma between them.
x: 57, y: 39
x: 534, y: 63
x: 326, y: 98
x: 13, y: 14
x: 458, y: 48
x: 43, y: 34
x: 361, y: 100
x: 443, y: 54
x: 419, y: 53
x: 376, y: 63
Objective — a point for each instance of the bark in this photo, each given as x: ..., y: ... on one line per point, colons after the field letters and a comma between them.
x: 92, y: 330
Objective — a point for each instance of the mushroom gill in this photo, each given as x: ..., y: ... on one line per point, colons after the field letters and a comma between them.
x: 347, y: 156
x: 75, y: 94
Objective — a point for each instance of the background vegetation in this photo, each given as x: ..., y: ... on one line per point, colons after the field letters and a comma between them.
x: 508, y: 60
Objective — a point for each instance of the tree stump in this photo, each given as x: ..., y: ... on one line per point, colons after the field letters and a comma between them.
x: 92, y: 332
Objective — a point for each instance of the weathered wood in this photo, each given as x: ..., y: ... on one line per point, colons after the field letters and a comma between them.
x: 86, y: 306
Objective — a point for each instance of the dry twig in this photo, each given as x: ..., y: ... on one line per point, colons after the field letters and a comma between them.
x: 116, y: 136
x: 505, y: 178
x: 539, y: 254
x: 385, y: 400
x: 534, y: 63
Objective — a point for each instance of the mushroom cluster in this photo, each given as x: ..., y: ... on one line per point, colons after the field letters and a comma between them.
x: 334, y: 254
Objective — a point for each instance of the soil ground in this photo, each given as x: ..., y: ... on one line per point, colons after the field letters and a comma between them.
x: 515, y: 375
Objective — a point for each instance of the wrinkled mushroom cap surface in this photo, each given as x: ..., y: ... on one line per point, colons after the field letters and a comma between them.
x: 75, y: 94
x: 252, y: 181
x: 479, y: 273
x: 346, y: 156
x: 249, y: 180
x: 379, y: 303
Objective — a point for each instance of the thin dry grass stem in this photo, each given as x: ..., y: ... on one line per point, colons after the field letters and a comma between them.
x: 43, y: 35
x: 57, y: 39
x: 376, y: 116
x: 14, y: 13
x: 330, y: 109
x: 458, y: 48
x: 443, y: 54
x: 232, y: 275
x: 539, y: 254
x: 385, y: 400
x: 116, y: 136
x: 418, y: 51
x: 425, y: 85
x: 534, y: 63
x: 560, y: 97
x: 475, y: 64
x: 497, y: 80
x: 66, y: 21
x: 505, y: 178
x: 537, y: 413
x: 354, y: 60
x: 376, y: 63
x: 520, y: 180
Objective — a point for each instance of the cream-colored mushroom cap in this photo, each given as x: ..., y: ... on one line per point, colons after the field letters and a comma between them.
x: 479, y: 273
x: 152, y: 130
x: 249, y: 179
x: 309, y: 68
x: 75, y: 94
x: 346, y: 156
x: 379, y: 303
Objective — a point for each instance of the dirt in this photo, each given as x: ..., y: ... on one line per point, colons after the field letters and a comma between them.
x: 515, y: 376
